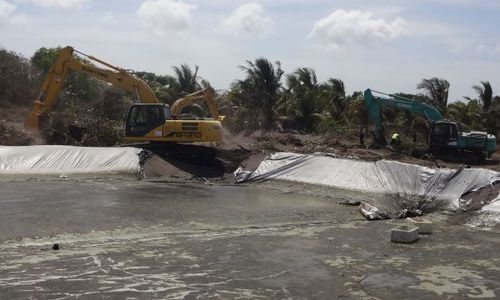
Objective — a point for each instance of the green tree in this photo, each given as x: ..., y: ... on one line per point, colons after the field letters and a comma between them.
x: 467, y: 114
x: 187, y: 79
x: 356, y: 109
x: 489, y: 115
x: 485, y: 93
x: 495, y: 115
x: 77, y: 86
x: 170, y: 88
x: 258, y: 94
x: 114, y: 103
x: 436, y: 91
x: 165, y: 87
x: 19, y: 82
x: 303, y: 93
x: 333, y: 98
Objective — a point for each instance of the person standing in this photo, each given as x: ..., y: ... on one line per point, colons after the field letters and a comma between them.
x: 361, y: 136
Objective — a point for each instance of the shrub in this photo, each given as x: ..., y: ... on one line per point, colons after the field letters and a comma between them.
x: 11, y: 136
x: 74, y: 125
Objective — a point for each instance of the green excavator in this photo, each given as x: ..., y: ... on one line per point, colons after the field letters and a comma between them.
x: 445, y: 137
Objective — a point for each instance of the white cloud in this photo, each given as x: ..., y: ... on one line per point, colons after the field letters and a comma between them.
x: 488, y: 48
x: 351, y: 27
x: 61, y: 4
x: 19, y: 19
x: 247, y: 21
x: 164, y: 16
x: 6, y: 10
x: 109, y: 18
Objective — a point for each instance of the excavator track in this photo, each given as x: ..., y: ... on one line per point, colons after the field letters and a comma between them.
x: 177, y: 150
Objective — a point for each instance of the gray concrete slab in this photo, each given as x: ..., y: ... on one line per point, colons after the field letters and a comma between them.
x: 142, y: 240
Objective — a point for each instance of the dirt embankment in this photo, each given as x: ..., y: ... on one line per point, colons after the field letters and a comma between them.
x: 248, y: 150
x: 261, y: 144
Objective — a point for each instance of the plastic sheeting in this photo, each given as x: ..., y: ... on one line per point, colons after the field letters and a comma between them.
x: 67, y: 159
x: 385, y: 177
x: 488, y: 215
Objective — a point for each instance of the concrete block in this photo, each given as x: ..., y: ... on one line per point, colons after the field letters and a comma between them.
x: 404, y: 234
x: 424, y: 225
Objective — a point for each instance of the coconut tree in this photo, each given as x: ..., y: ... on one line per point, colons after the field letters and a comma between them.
x: 334, y: 98
x: 258, y: 94
x: 485, y: 93
x: 303, y: 97
x: 436, y: 91
x: 485, y: 97
x: 468, y: 114
x: 495, y: 115
x: 187, y: 79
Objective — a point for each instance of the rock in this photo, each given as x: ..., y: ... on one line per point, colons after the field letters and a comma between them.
x: 424, y: 225
x: 404, y: 234
x: 55, y: 246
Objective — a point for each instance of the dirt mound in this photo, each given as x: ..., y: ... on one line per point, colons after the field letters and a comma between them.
x: 156, y: 167
x: 170, y: 169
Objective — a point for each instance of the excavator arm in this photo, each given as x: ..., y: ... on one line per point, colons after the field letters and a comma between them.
x: 65, y: 62
x: 205, y: 95
x: 374, y: 103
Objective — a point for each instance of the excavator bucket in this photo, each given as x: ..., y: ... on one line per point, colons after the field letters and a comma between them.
x: 31, y: 122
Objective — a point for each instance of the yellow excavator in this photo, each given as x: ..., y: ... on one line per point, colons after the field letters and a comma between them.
x: 148, y: 121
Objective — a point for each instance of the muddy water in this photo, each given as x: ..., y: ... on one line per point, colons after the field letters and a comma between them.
x: 47, y: 208
x: 129, y: 239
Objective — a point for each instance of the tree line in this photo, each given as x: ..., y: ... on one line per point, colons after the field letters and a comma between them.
x: 266, y: 98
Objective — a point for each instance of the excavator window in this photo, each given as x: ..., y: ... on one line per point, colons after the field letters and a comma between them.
x: 440, y: 129
x: 144, y: 118
x: 443, y: 133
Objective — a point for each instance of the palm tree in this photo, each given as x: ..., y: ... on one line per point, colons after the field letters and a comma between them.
x: 486, y: 99
x: 467, y: 114
x: 303, y: 93
x: 494, y: 112
x: 334, y: 98
x: 187, y: 79
x: 436, y: 91
x: 259, y: 93
x: 485, y: 93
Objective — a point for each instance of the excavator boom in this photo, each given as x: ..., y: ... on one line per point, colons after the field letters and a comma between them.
x: 65, y: 62
x: 373, y: 104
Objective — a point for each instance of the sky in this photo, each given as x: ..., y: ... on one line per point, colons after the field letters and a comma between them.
x: 386, y: 45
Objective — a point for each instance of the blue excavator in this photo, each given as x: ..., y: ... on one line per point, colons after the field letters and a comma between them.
x: 445, y: 136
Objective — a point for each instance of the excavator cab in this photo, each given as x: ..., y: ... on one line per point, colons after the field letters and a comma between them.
x: 143, y: 118
x: 444, y: 134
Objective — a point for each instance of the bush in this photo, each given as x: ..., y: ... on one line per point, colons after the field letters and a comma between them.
x: 411, y: 149
x: 114, y: 104
x: 74, y: 125
x: 11, y: 136
x: 19, y: 83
